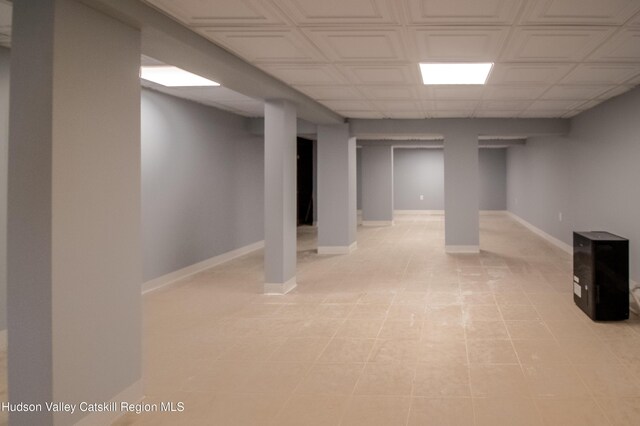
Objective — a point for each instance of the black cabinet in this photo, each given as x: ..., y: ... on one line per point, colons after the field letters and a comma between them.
x: 601, y: 275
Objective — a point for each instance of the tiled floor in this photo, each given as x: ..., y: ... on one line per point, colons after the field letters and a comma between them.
x: 397, y: 333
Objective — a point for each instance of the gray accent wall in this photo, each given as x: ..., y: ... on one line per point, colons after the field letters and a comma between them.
x: 420, y: 171
x: 591, y: 176
x: 4, y: 144
x: 202, y: 183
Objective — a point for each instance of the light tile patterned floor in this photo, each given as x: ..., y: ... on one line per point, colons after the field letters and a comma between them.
x: 397, y: 333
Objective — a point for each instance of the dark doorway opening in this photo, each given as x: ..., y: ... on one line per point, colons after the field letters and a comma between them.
x: 305, y: 182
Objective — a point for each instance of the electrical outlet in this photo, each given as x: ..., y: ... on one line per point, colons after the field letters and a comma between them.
x: 421, y: 197
x: 560, y: 216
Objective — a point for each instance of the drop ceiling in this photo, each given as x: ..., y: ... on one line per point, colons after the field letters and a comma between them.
x: 553, y: 58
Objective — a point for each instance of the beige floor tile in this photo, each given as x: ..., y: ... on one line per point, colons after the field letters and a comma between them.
x: 519, y: 312
x: 252, y: 349
x: 395, y: 350
x: 369, y: 312
x: 483, y: 330
x: 394, y: 329
x: 330, y: 379
x: 258, y: 409
x: 626, y: 349
x: 491, y: 352
x: 442, y: 380
x: 275, y: 377
x: 446, y: 351
x: 587, y: 351
x: 347, y: 350
x: 571, y: 412
x: 528, y: 330
x: 481, y: 313
x: 608, y: 380
x: 438, y: 330
x: 535, y: 351
x: 385, y: 379
x: 319, y: 327
x: 506, y: 412
x: 312, y: 410
x: 498, y: 380
x: 441, y: 411
x: 554, y: 380
x: 377, y: 411
x: 621, y: 411
x: 300, y: 349
x: 360, y: 328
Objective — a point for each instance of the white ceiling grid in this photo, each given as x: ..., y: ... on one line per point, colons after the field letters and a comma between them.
x: 553, y: 58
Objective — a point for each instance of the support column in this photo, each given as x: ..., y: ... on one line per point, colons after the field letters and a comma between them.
x: 462, y: 228
x: 279, y: 196
x: 74, y: 250
x: 377, y: 185
x: 337, y: 214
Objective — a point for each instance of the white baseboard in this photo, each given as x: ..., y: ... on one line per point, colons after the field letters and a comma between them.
x: 550, y: 238
x: 3, y: 340
x: 132, y: 394
x: 377, y: 223
x: 462, y: 249
x: 338, y: 249
x: 276, y: 289
x: 174, y: 276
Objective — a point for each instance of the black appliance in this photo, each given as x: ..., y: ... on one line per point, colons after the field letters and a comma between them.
x: 601, y: 275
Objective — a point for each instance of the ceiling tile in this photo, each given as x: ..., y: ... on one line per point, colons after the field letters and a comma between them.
x: 331, y: 92
x: 347, y: 105
x: 584, y: 12
x: 623, y: 47
x: 554, y: 105
x: 575, y: 92
x: 543, y: 113
x: 459, y: 44
x: 265, y: 45
x: 464, y: 113
x: 455, y: 105
x: 380, y: 74
x: 404, y: 114
x: 310, y: 12
x: 220, y: 12
x: 389, y: 92
x: 505, y: 105
x: 601, y: 74
x: 498, y: 12
x: 359, y: 45
x: 398, y: 106
x: 528, y: 74
x: 457, y: 92
x: 550, y: 44
x: 301, y: 74
x: 514, y: 92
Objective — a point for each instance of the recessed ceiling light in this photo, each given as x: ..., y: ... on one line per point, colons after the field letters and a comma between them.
x: 171, y: 76
x: 455, y: 73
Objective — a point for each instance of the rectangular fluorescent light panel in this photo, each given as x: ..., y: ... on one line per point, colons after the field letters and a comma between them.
x: 455, y: 73
x: 171, y: 76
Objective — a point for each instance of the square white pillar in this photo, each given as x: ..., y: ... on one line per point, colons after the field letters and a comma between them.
x: 337, y: 215
x: 377, y: 185
x: 280, y: 163
x: 74, y: 244
x: 461, y: 211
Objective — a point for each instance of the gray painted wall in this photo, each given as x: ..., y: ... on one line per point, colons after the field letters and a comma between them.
x: 4, y: 144
x: 492, y: 170
x: 591, y: 176
x: 421, y: 172
x: 418, y: 172
x: 202, y: 183
x: 377, y: 183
